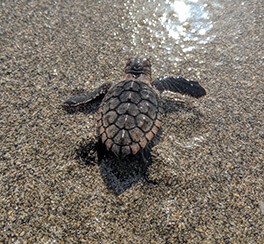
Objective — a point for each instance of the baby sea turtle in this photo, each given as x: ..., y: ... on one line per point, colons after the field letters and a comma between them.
x: 129, y: 115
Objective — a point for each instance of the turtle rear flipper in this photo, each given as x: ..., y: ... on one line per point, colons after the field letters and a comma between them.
x: 181, y: 85
x: 85, y: 98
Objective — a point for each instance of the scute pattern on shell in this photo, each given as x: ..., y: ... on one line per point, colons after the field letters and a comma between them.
x: 129, y: 117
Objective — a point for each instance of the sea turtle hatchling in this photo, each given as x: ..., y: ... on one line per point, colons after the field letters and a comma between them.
x: 130, y: 113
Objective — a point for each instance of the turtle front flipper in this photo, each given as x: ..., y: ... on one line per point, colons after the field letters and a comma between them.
x: 85, y: 98
x: 181, y: 85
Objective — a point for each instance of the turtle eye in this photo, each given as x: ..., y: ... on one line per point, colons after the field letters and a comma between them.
x: 147, y: 63
x: 128, y: 62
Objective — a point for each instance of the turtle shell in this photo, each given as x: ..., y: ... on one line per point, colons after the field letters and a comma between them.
x: 128, y: 117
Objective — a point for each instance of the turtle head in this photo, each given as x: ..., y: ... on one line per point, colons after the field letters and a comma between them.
x: 138, y: 66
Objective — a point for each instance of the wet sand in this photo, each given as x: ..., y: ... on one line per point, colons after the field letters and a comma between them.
x: 209, y: 156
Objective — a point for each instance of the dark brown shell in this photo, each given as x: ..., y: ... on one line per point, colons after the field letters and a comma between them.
x: 128, y: 117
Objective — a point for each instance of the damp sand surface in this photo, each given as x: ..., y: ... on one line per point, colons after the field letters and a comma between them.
x: 207, y: 159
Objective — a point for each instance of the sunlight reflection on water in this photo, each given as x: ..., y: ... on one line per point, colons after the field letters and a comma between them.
x: 180, y: 20
x: 187, y: 20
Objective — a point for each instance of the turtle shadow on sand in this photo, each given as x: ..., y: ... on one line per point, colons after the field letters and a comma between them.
x: 118, y: 175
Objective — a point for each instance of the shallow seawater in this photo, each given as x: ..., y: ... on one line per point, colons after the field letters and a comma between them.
x: 184, y: 23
